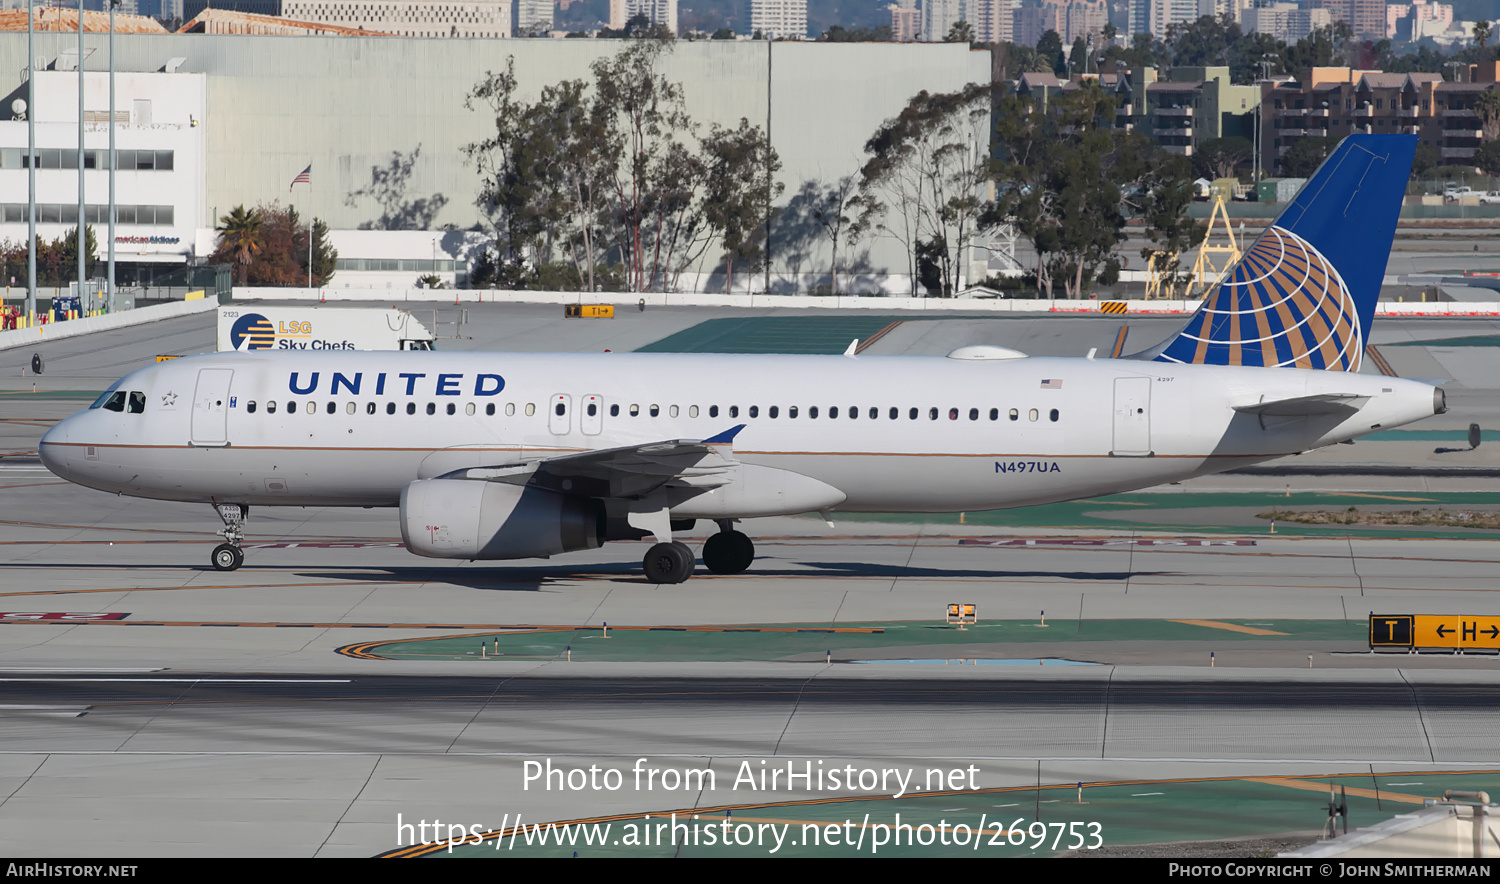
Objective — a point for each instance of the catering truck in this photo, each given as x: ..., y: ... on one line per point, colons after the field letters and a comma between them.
x: 320, y: 328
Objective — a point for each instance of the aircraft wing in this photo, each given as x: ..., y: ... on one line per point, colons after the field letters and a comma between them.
x: 1306, y: 406
x: 625, y: 472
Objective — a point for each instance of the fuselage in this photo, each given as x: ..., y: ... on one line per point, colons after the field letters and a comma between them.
x: 908, y: 434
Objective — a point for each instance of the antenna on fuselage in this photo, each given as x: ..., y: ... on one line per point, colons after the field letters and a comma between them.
x: 853, y: 346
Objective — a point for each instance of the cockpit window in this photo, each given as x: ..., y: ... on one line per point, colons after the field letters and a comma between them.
x: 104, y: 397
x: 137, y: 402
x: 115, y: 402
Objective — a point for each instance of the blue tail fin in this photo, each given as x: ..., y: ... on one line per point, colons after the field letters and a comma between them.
x: 1304, y: 294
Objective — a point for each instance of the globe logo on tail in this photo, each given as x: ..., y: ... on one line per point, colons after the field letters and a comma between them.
x: 252, y: 332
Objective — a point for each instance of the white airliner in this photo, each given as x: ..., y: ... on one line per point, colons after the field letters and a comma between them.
x: 510, y: 455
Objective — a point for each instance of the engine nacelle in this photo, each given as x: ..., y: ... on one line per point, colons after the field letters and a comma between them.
x: 473, y: 519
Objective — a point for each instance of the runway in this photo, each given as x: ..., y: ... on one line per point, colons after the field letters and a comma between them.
x: 151, y: 706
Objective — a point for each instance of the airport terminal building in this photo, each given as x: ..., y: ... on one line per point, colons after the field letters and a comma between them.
x: 212, y: 122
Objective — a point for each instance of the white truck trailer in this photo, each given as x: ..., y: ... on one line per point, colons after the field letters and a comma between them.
x: 320, y: 328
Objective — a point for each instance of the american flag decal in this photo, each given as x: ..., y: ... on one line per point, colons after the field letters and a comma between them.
x: 304, y: 178
x: 1051, y: 384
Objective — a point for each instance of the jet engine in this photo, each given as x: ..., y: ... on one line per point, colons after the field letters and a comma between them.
x: 474, y: 519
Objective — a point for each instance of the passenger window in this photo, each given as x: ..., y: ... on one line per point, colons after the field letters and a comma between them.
x: 352, y: 408
x: 1053, y: 415
x: 853, y: 413
x: 812, y: 412
x: 774, y: 411
x: 432, y: 408
x: 332, y: 407
x: 952, y: 414
x: 390, y: 408
x: 635, y: 410
x: 469, y: 409
x: 1032, y: 414
x: 614, y: 411
x: 271, y: 407
x: 291, y: 406
x: 560, y: 409
x: 452, y: 409
x: 530, y: 409
x: 713, y: 411
x: 593, y: 410
x: 510, y: 409
x: 932, y: 414
x: 370, y: 408
x: 874, y: 412
x: 912, y: 415
x: 755, y: 411
x: 655, y: 410
x: 895, y: 412
x: 250, y: 407
x: 672, y: 412
x: 734, y: 411
x: 489, y: 409
x: 116, y: 401
x: 1014, y: 415
x: 692, y: 411
x: 973, y: 414
x: 833, y: 411
x: 312, y: 407
x: 994, y: 414
x: 137, y: 402
x: 411, y: 408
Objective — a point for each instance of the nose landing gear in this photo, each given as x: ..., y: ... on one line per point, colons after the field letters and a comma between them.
x: 228, y: 556
x: 729, y: 551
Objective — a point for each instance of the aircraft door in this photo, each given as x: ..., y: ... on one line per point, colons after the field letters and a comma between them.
x: 591, y: 414
x: 1132, y: 418
x: 211, y: 408
x: 559, y: 420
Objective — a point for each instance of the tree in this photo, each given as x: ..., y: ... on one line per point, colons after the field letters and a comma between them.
x: 516, y: 193
x: 1305, y: 155
x: 240, y: 237
x: 1487, y: 158
x: 925, y: 168
x: 1164, y: 193
x: 1050, y: 48
x: 961, y: 32
x: 740, y: 190
x: 1059, y: 178
x: 837, y: 209
x: 1487, y: 108
x: 1481, y: 33
x: 1218, y: 157
x: 269, y: 245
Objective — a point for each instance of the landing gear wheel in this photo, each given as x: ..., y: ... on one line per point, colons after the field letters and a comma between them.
x: 668, y: 563
x: 728, y: 552
x: 228, y: 557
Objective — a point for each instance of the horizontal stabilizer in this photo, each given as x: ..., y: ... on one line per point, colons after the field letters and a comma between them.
x: 1305, y: 406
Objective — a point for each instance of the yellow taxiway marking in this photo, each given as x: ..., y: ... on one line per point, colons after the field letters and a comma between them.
x: 1232, y: 627
x: 1378, y: 496
x: 1311, y: 786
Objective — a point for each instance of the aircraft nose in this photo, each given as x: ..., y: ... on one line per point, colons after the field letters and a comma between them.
x: 51, y: 449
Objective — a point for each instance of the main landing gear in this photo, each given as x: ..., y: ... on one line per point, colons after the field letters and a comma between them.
x: 228, y: 556
x: 728, y: 552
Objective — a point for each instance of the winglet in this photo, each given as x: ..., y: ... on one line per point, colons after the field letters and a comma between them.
x: 852, y: 348
x: 725, y: 437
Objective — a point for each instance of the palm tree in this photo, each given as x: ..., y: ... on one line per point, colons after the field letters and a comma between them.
x: 1481, y: 33
x: 241, y: 230
x: 1487, y: 108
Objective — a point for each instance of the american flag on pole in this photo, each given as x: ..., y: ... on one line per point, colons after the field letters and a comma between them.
x: 304, y: 178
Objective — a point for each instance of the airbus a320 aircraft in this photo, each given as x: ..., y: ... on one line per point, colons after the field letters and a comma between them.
x: 510, y: 455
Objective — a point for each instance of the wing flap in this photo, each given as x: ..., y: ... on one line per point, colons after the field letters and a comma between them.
x: 625, y: 472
